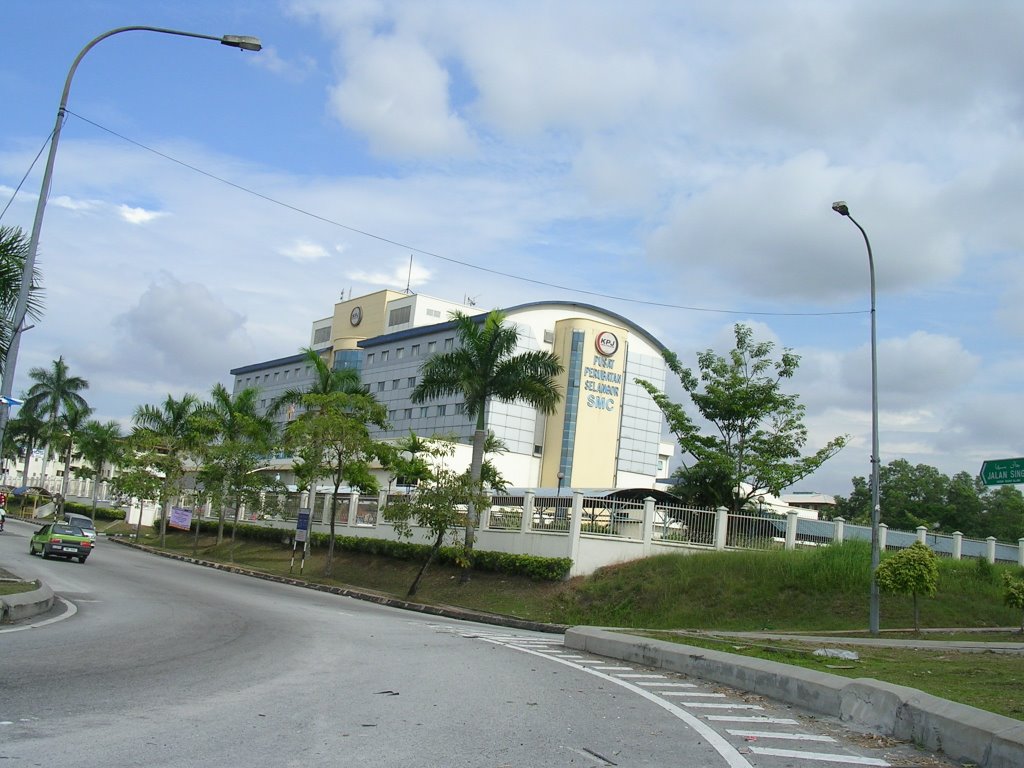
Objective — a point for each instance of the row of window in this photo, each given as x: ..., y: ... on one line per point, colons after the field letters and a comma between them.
x: 267, y: 378
x: 426, y: 411
x: 414, y: 351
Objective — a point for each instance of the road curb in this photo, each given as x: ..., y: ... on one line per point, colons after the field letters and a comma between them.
x: 965, y: 734
x: 448, y: 611
x: 25, y: 605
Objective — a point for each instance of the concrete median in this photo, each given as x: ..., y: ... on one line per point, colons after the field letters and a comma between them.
x: 25, y: 605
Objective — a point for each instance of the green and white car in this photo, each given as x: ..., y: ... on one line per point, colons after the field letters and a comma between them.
x: 60, y: 540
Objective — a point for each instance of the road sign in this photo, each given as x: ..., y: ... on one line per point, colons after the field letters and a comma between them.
x: 1002, y: 471
x: 302, y: 525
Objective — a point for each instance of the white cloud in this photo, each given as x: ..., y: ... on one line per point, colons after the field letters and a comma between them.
x: 138, y: 215
x: 303, y: 250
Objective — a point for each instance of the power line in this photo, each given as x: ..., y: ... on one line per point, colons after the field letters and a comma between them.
x: 450, y: 260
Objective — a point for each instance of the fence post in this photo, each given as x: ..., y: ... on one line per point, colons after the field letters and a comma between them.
x: 528, y: 500
x: 484, y: 515
x: 353, y: 507
x: 839, y: 530
x: 883, y: 531
x: 574, y: 526
x: 1020, y: 552
x: 990, y: 549
x: 721, y: 527
x: 922, y: 534
x: 648, y: 524
x: 791, y: 516
x: 958, y: 545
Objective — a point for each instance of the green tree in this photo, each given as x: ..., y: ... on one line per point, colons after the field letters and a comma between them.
x: 70, y: 426
x: 760, y: 429
x: 13, y: 252
x: 1003, y: 513
x: 912, y: 571
x: 54, y: 391
x: 485, y: 367
x: 964, y: 505
x: 237, y: 441
x: 336, y: 427
x: 102, y: 445
x: 26, y: 432
x: 325, y: 381
x: 1013, y: 593
x: 909, y: 496
x: 436, y: 504
x: 166, y: 438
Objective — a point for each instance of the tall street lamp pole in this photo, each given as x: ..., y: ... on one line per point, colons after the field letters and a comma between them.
x: 245, y: 42
x: 842, y: 209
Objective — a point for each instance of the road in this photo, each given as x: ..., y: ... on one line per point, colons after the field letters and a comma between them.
x: 154, y: 662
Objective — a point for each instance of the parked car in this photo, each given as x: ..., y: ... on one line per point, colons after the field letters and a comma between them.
x: 60, y: 540
x: 83, y: 522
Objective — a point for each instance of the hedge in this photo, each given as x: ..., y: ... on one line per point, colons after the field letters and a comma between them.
x: 531, y: 566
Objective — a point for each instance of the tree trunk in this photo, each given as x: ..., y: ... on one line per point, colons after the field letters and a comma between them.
x: 24, y: 468
x: 472, y: 514
x: 329, y: 564
x: 917, y: 616
x: 96, y: 491
x: 429, y: 560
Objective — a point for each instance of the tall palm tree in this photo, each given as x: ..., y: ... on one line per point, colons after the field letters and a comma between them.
x: 239, y: 441
x: 485, y: 367
x: 13, y: 252
x: 101, y: 444
x: 27, y: 432
x: 70, y: 426
x: 326, y: 381
x: 171, y: 433
x: 54, y: 392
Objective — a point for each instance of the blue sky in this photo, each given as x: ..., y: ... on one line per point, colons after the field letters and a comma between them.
x: 675, y: 163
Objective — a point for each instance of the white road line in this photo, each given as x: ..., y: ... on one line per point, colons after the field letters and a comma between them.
x: 615, y: 669
x: 754, y: 719
x: 651, y: 677
x: 821, y: 756
x: 693, y: 694
x: 645, y: 684
x: 779, y: 735
x: 716, y: 740
x: 723, y: 706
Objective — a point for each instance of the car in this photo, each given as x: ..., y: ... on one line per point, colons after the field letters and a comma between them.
x: 83, y: 522
x: 60, y: 540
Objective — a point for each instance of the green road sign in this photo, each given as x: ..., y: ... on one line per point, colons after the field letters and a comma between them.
x: 1002, y: 471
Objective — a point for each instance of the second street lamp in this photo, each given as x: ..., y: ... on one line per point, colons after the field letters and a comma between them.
x: 244, y: 42
x: 842, y: 209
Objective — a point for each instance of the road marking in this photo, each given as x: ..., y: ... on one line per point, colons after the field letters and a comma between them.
x: 651, y: 677
x: 821, y: 756
x: 754, y: 719
x: 716, y: 740
x: 667, y: 685
x: 615, y: 669
x: 723, y: 706
x: 779, y: 735
x: 694, y: 694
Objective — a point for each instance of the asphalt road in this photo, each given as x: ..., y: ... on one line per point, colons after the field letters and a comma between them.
x: 152, y: 662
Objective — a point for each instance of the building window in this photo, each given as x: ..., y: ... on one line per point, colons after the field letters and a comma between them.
x: 369, y: 358
x: 400, y: 315
x: 394, y: 383
x: 449, y: 343
x: 380, y: 386
x: 415, y: 350
x: 431, y: 346
x: 400, y: 353
x: 460, y: 408
x: 433, y: 313
x: 276, y: 373
x: 442, y: 410
x: 384, y: 356
x: 320, y: 335
x: 424, y: 411
x: 391, y: 415
x: 411, y: 382
x: 408, y: 413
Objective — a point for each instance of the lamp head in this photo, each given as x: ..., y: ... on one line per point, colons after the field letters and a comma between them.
x: 840, y: 207
x: 245, y: 42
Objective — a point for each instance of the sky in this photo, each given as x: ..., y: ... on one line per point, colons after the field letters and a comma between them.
x: 675, y: 163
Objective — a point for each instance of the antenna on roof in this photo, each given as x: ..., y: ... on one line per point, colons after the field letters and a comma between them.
x: 469, y: 301
x: 408, y: 280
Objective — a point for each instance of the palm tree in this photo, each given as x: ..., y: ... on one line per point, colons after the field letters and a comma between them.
x: 101, y: 445
x: 485, y: 367
x: 13, y: 251
x: 327, y: 381
x: 170, y: 434
x: 54, y: 392
x: 26, y: 432
x: 240, y: 440
x: 69, y: 426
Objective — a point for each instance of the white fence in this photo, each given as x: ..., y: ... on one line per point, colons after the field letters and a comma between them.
x: 594, y: 532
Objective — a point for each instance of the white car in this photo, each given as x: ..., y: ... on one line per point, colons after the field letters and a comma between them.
x: 81, y: 521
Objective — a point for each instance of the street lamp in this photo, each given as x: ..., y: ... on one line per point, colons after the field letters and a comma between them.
x: 561, y: 477
x: 244, y: 42
x: 842, y: 209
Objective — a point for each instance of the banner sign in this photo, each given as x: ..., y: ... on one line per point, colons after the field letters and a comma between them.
x: 302, y: 525
x: 180, y: 518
